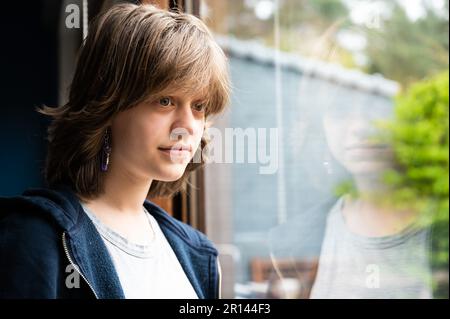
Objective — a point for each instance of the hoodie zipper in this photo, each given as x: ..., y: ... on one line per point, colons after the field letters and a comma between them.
x: 66, y: 250
x: 219, y: 272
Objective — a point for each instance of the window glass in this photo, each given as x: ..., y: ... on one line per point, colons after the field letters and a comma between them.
x: 328, y: 175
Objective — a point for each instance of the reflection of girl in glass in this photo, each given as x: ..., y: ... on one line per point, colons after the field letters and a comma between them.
x: 354, y: 246
x: 369, y: 250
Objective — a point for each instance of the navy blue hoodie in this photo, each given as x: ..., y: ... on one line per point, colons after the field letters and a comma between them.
x: 45, y: 235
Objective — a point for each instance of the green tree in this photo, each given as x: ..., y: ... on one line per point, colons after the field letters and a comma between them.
x: 408, y: 51
x: 419, y: 135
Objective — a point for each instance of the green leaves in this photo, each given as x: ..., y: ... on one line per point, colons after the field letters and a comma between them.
x: 419, y: 135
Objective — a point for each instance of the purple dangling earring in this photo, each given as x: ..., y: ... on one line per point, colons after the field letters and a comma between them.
x: 106, y: 150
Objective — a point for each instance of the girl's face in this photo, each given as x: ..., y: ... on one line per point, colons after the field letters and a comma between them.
x: 157, y: 139
x: 350, y: 132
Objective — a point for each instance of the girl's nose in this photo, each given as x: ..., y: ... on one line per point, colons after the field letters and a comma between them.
x: 184, y: 123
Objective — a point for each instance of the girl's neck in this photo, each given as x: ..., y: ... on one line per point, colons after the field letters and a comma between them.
x: 370, y: 214
x: 124, y: 192
x: 371, y: 219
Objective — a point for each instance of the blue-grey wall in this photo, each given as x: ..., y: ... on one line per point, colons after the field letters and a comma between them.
x: 306, y: 181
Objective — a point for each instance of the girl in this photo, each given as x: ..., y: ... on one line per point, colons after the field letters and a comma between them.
x: 145, y: 83
x: 355, y: 246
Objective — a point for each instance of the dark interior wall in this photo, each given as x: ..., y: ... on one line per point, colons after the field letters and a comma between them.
x: 28, y: 78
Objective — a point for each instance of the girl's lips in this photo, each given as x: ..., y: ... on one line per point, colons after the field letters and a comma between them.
x: 176, y: 152
x: 176, y: 147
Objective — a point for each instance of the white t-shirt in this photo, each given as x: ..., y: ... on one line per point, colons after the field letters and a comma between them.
x: 146, y: 271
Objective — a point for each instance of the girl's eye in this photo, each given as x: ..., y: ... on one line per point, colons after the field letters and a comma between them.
x: 199, y: 107
x: 165, y: 101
